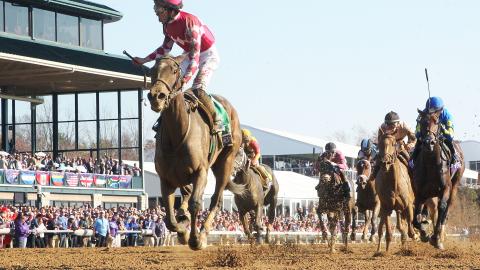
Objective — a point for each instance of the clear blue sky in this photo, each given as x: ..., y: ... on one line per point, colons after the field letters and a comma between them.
x: 317, y: 67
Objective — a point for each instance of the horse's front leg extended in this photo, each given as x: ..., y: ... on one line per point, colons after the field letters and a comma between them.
x: 168, y: 195
x: 443, y: 205
x: 258, y: 222
x: 197, y: 241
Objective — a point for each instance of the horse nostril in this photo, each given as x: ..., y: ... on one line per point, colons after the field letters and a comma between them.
x: 162, y: 96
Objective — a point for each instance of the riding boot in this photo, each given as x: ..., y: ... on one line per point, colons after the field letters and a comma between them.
x: 345, y: 186
x: 217, y: 125
x: 266, y: 177
x: 454, y: 159
x: 413, y: 157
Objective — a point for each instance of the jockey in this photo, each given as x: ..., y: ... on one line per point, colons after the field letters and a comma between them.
x: 368, y: 150
x: 339, y: 162
x: 198, y: 43
x: 435, y: 104
x: 392, y: 125
x: 252, y: 149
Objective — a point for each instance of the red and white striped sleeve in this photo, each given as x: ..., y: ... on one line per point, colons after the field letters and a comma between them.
x: 194, y: 36
x: 162, y: 50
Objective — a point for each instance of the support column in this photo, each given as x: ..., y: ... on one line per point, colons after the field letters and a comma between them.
x: 97, y: 200
x: 55, y: 124
x: 5, y: 125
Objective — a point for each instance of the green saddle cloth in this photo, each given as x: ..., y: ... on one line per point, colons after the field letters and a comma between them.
x: 223, y: 115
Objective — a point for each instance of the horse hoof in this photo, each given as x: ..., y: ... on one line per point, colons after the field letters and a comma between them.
x: 440, y: 246
x: 424, y: 237
x: 352, y: 237
x: 183, y: 238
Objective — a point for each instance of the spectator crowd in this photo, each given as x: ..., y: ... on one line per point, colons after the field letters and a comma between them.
x: 44, y: 162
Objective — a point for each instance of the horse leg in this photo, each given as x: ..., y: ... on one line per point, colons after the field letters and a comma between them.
x: 332, y: 226
x: 367, y: 213
x: 258, y: 223
x: 347, y: 213
x: 401, y: 226
x: 416, y: 219
x: 380, y: 231
x: 375, y: 213
x: 444, y: 202
x: 183, y: 214
x: 409, y: 217
x: 271, y: 215
x: 168, y: 195
x: 323, y: 227
x: 388, y: 234
x: 197, y: 241
x: 354, y: 223
x: 245, y: 224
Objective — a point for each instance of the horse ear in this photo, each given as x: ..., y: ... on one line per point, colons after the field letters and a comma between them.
x: 179, y: 59
x: 420, y: 112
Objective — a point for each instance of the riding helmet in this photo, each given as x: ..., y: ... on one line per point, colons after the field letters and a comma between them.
x: 392, y: 117
x: 434, y: 104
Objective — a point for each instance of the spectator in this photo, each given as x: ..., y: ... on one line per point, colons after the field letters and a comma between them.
x: 4, y: 223
x: 40, y: 235
x: 132, y: 225
x: 113, y: 237
x: 101, y: 229
x: 21, y: 230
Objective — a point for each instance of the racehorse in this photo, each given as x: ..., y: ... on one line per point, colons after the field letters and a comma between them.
x: 183, y: 152
x: 432, y: 176
x: 394, y: 189
x: 331, y: 201
x: 367, y: 198
x: 254, y: 198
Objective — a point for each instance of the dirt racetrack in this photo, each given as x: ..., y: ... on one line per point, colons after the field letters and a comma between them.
x: 459, y: 255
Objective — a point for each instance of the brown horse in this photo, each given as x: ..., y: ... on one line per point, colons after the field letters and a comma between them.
x: 367, y: 198
x: 255, y: 198
x: 394, y: 190
x: 182, y: 156
x: 432, y: 175
x: 332, y: 202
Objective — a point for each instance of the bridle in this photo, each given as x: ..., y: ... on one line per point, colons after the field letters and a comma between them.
x: 174, y: 89
x: 429, y: 136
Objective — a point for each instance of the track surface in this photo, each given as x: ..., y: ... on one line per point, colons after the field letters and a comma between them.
x: 459, y: 255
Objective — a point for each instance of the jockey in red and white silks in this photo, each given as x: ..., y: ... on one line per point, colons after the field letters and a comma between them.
x: 197, y: 41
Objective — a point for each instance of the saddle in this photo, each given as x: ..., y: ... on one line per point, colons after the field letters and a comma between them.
x: 265, y: 176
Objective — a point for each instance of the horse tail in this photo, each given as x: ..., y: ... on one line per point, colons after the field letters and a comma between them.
x: 237, y: 189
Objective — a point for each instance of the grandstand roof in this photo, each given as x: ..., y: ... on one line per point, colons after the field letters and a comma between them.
x: 347, y: 149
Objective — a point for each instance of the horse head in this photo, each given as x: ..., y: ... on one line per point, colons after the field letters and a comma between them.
x: 429, y: 129
x: 364, y: 168
x: 387, y: 150
x: 166, y: 82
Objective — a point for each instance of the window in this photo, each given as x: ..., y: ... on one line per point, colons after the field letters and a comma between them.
x: 43, y: 24
x: 129, y: 104
x: 108, y: 105
x: 67, y: 28
x: 87, y: 135
x: 91, y: 34
x: 16, y: 19
x: 1, y: 16
x: 87, y: 107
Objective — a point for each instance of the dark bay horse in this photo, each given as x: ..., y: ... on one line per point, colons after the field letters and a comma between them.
x: 255, y: 198
x: 394, y: 189
x: 367, y: 198
x: 332, y: 202
x: 432, y: 176
x: 182, y: 153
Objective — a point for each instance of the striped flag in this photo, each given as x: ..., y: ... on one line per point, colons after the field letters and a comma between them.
x: 125, y: 181
x: 71, y: 179
x: 112, y: 181
x: 100, y: 180
x: 43, y: 178
x: 12, y: 176
x: 57, y: 179
x: 27, y: 177
x: 86, y: 179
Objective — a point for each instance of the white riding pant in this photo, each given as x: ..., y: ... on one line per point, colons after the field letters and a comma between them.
x: 208, y: 62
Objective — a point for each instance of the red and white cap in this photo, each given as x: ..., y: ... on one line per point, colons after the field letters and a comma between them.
x: 174, y: 4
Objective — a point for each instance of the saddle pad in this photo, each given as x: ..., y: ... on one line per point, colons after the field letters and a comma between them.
x: 223, y: 115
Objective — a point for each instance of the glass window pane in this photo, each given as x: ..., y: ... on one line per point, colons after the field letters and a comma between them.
x: 1, y: 16
x: 23, y: 138
x: 44, y: 137
x: 66, y: 107
x: 91, y: 33
x: 87, y: 107
x: 131, y: 154
x: 66, y: 136
x: 9, y: 118
x: 43, y: 24
x: 129, y: 104
x: 108, y: 134
x: 44, y: 111
x: 109, y: 156
x: 87, y: 135
x: 67, y: 29
x: 108, y: 105
x: 16, y: 19
x: 22, y: 112
x: 130, y: 133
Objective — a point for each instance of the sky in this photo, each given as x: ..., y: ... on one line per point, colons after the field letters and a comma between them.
x: 320, y: 68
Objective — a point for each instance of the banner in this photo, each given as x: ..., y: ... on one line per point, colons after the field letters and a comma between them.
x: 11, y: 176
x: 27, y: 177
x: 100, y: 180
x: 112, y: 181
x: 86, y: 179
x: 43, y: 178
x: 57, y: 178
x: 2, y: 178
x: 71, y: 179
x: 125, y: 181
